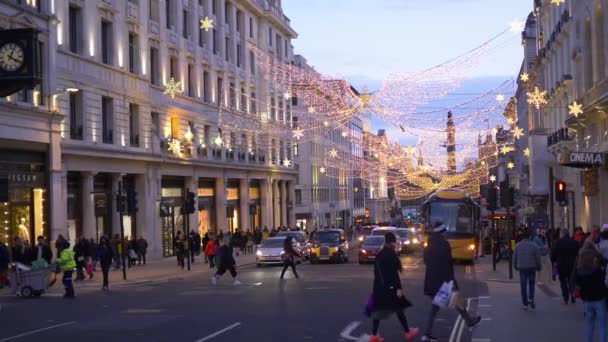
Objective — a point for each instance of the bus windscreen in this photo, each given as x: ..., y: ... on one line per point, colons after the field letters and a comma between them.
x: 456, y: 215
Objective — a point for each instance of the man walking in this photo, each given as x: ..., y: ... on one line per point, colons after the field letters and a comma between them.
x: 67, y: 264
x: 440, y: 269
x: 526, y: 260
x: 563, y: 256
x: 142, y: 250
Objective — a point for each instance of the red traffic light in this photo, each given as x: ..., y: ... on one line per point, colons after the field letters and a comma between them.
x: 561, y: 186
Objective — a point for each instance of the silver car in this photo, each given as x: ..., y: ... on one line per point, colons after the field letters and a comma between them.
x: 301, y: 243
x: 270, y: 251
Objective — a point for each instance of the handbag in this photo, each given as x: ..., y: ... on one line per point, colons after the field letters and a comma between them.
x: 443, y: 296
x: 456, y: 300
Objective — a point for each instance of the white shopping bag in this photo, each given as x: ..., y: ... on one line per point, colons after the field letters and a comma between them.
x: 443, y: 296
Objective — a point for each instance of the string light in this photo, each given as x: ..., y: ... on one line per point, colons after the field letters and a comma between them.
x: 527, y: 152
x: 172, y: 88
x: 298, y: 134
x: 492, y: 178
x: 287, y: 162
x: 558, y: 2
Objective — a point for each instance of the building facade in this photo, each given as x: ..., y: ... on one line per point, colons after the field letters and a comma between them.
x: 119, y: 125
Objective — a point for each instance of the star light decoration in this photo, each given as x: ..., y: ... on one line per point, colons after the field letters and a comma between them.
x: 510, y: 165
x: 537, y: 97
x: 287, y: 163
x: 326, y: 123
x: 506, y: 149
x: 172, y: 88
x: 333, y: 153
x: 322, y: 170
x: 517, y: 25
x: 518, y: 132
x: 311, y: 110
x: 510, y: 121
x: 344, y: 134
x: 298, y: 134
x: 287, y: 95
x: 500, y: 98
x: 527, y: 152
x: 576, y: 109
x: 558, y: 2
x: 207, y: 24
x: 524, y: 77
x: 492, y: 178
x: 175, y: 146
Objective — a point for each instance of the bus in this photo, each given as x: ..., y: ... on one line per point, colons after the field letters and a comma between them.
x: 459, y: 212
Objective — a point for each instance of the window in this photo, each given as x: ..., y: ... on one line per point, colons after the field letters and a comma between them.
x: 191, y: 80
x: 206, y: 87
x: 273, y: 108
x: 76, y: 119
x: 174, y: 127
x: 227, y: 49
x: 296, y: 149
x: 106, y: 42
x: 251, y: 27
x: 207, y: 137
x: 281, y: 111
x: 243, y: 102
x: 202, y: 37
x: 214, y: 6
x: 75, y: 22
x: 232, y: 92
x: 588, y: 55
x: 238, y: 55
x: 133, y: 49
x: 220, y: 91
x: 107, y: 120
x: 168, y: 16
x: 298, y: 194
x: 154, y: 66
x: 215, y: 49
x: 154, y: 10
x: 155, y: 117
x: 286, y: 50
x: 599, y: 40
x: 239, y: 17
x: 173, y: 68
x: 270, y: 36
x: 252, y: 62
x: 294, y: 101
x: 185, y: 27
x: 133, y: 125
x: 253, y: 106
x: 278, y: 46
x: 227, y: 13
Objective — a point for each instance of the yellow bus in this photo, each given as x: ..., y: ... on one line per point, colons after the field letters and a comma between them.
x: 457, y: 210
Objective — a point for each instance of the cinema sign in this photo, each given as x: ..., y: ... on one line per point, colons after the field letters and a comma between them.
x: 583, y: 159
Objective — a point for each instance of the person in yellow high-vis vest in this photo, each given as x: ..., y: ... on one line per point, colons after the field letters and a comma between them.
x: 67, y: 264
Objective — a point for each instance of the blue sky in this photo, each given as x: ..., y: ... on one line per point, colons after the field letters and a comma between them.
x: 364, y: 41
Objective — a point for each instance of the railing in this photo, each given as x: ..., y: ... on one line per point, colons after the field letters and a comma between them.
x: 217, y: 153
x: 562, y: 134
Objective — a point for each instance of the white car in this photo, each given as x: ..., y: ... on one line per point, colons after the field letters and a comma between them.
x: 271, y: 250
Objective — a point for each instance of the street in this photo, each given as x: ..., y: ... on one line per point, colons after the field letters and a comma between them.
x: 326, y: 304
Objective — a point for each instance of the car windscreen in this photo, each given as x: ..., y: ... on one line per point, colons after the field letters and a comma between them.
x: 380, y: 232
x: 402, y: 233
x: 274, y: 243
x: 366, y: 231
x: 374, y: 241
x: 294, y: 235
x: 327, y: 237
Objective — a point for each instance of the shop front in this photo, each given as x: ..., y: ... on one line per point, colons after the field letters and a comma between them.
x: 207, y: 221
x: 129, y: 221
x: 23, y: 195
x: 102, y: 195
x: 303, y: 220
x: 255, y: 205
x: 172, y: 221
x: 233, y: 205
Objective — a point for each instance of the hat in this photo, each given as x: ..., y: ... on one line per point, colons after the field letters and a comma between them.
x: 390, y: 238
x: 605, y: 227
x: 439, y: 227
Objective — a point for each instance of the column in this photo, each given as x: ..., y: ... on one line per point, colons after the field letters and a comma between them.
x: 192, y: 185
x: 276, y: 213
x: 245, y: 224
x: 58, y: 205
x: 292, y: 203
x: 284, y: 203
x: 116, y: 178
x: 220, y: 204
x: 88, y: 207
x: 266, y: 203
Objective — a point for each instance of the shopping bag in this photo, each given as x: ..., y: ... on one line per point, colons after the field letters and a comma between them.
x: 456, y: 300
x: 442, y: 298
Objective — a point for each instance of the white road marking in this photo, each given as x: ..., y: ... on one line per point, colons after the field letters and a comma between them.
x: 36, y: 331
x: 486, y: 319
x: 455, y: 329
x: 207, y: 338
x: 317, y: 288
x: 347, y: 332
x: 484, y: 306
x: 458, y: 328
x: 481, y: 340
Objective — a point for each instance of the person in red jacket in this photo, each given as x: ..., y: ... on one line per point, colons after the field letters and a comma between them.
x: 210, y: 250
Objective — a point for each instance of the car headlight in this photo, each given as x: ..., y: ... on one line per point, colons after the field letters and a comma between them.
x: 360, y: 238
x: 363, y: 251
x: 413, y: 230
x: 426, y: 244
x: 415, y: 241
x: 407, y: 242
x: 258, y: 253
x: 471, y: 247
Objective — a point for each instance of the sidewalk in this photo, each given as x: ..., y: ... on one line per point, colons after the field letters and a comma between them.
x: 504, y: 320
x: 154, y: 271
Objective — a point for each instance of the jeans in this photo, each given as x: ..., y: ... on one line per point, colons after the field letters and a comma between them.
x: 141, y: 257
x: 211, y: 261
x: 527, y: 281
x: 596, y: 311
x: 105, y: 269
x: 564, y: 283
x: 286, y: 265
x: 433, y: 314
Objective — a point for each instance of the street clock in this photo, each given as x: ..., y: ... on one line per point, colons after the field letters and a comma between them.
x: 20, y: 60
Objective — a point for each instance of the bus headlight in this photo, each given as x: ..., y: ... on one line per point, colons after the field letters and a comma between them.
x: 471, y: 247
x: 360, y: 238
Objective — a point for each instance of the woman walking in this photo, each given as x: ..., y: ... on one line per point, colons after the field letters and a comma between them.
x: 210, y: 250
x: 105, y: 255
x: 180, y: 249
x: 289, y: 254
x: 589, y: 278
x: 226, y: 262
x: 387, y: 296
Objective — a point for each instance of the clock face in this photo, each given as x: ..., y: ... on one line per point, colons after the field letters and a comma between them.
x: 11, y: 57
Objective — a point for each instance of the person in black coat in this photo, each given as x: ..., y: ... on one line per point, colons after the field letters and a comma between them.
x: 440, y: 269
x: 289, y: 254
x: 106, y: 255
x: 42, y: 251
x: 387, y: 296
x: 564, y: 255
x: 205, y: 241
x: 226, y: 262
x: 5, y: 259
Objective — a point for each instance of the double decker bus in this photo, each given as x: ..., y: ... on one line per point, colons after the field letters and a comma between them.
x: 457, y: 210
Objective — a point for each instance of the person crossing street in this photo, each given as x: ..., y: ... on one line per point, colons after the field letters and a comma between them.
x: 226, y: 262
x: 67, y: 264
x: 289, y: 256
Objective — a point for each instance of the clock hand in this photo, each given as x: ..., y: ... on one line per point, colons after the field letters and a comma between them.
x: 15, y: 59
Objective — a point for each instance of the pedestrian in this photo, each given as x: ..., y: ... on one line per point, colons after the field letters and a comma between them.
x: 258, y: 236
x: 527, y: 260
x: 191, y: 248
x: 205, y: 241
x: 265, y: 233
x: 210, y: 250
x: 595, y: 234
x: 180, y: 249
x: 133, y: 251
x: 579, y: 236
x: 5, y: 258
x: 197, y: 244
x: 235, y: 242
x: 105, y: 255
x: 250, y: 242
x: 387, y: 295
x: 563, y: 256
x: 115, y: 244
x: 440, y: 269
x: 79, y: 251
x: 19, y: 251
x: 93, y: 246
x: 226, y: 263
x: 42, y: 251
x: 589, y: 278
x: 288, y: 257
x: 142, y: 250
x: 67, y: 264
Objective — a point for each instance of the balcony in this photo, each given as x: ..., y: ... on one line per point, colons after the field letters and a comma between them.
x: 561, y: 140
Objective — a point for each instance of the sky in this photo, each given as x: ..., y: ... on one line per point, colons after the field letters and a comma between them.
x: 364, y: 41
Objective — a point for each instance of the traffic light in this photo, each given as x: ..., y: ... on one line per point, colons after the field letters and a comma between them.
x: 492, y: 198
x: 121, y: 204
x: 190, y: 203
x: 561, y: 195
x: 131, y: 201
x: 507, y: 194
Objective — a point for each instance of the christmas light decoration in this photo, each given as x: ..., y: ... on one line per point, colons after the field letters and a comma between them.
x: 218, y: 141
x: 188, y: 135
x: 517, y: 25
x: 207, y: 24
x: 287, y: 162
x: 524, y: 77
x: 311, y: 110
x: 322, y: 170
x: 506, y: 149
x: 576, y: 109
x: 558, y: 2
x: 298, y: 134
x: 510, y: 165
x: 287, y: 95
x: 172, y: 88
x: 537, y: 98
x: 527, y: 152
x: 500, y: 97
x: 175, y: 146
x: 518, y: 132
x: 333, y: 153
x: 492, y: 178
